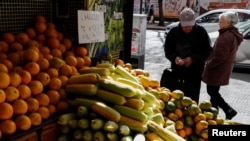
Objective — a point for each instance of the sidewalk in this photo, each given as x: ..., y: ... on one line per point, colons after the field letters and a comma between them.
x: 155, y: 26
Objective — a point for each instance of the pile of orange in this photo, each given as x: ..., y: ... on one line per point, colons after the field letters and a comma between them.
x: 31, y: 88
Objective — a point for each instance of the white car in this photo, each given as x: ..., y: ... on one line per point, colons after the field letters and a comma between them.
x: 210, y: 19
x: 243, y: 54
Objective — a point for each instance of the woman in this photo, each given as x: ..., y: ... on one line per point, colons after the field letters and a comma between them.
x: 220, y: 63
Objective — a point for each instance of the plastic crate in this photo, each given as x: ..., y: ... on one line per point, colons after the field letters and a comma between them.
x: 28, y: 137
x: 137, y: 61
x: 49, y: 132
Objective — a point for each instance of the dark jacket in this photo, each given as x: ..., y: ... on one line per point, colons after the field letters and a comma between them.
x: 219, y: 65
x: 195, y: 44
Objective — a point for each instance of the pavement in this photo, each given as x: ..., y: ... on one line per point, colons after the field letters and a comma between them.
x: 236, y: 93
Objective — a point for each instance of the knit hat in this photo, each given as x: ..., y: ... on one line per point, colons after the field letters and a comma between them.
x: 187, y: 17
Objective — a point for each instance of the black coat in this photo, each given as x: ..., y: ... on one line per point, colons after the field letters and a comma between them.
x: 195, y: 44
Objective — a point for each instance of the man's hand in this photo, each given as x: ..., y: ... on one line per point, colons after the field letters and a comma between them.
x: 187, y: 61
x: 179, y: 61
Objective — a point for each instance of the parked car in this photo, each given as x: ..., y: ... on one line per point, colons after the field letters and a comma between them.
x: 243, y: 54
x: 210, y: 19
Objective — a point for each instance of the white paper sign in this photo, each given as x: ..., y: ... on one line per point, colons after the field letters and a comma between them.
x: 90, y: 26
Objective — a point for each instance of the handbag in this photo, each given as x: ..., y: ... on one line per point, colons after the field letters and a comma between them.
x: 169, y: 80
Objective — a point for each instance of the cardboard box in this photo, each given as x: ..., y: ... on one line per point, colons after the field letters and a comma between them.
x: 49, y: 132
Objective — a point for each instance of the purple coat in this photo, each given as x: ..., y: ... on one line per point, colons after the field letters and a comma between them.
x: 219, y: 65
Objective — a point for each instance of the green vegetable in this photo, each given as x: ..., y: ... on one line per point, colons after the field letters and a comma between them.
x: 127, y: 138
x: 83, y: 123
x: 78, y: 134
x: 99, y: 136
x: 97, y: 124
x: 112, y: 137
x: 63, y: 138
x: 82, y: 111
x: 124, y: 130
x: 110, y: 126
x: 87, y: 135
x: 73, y: 123
x: 63, y: 119
x: 139, y: 137
x: 65, y: 129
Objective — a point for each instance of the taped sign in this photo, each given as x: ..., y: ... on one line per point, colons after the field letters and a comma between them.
x: 91, y: 26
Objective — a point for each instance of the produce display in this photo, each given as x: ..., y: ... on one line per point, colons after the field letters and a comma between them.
x: 118, y: 94
x: 34, y: 68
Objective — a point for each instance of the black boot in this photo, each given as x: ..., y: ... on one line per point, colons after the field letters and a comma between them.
x: 230, y: 113
x: 228, y: 110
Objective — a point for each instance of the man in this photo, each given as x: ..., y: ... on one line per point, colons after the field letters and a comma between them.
x: 187, y: 46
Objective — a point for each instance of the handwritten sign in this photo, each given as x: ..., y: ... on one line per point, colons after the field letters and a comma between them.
x: 90, y: 26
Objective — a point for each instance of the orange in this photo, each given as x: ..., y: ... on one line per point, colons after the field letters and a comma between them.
x: 63, y: 79
x: 31, y: 32
x: 53, y: 43
x: 87, y: 61
x: 40, y: 18
x: 179, y: 124
x: 67, y: 42
x: 30, y: 55
x: 199, y: 126
x: 40, y: 27
x: 35, y: 118
x: 62, y: 107
x: 22, y: 38
x: 53, y: 72
x: 8, y: 127
x: 52, y: 109
x: 43, y: 77
x: 6, y: 111
x: 74, y: 70
x: 12, y: 93
x: 16, y: 46
x: 8, y: 37
x: 62, y: 48
x: 51, y: 26
x: 36, y: 87
x: 55, y: 83
x: 2, y: 96
x: 60, y: 36
x: 56, y: 52
x: 24, y: 91
x: 54, y: 96
x: 44, y: 50
x: 41, y: 38
x: 51, y: 33
x: 119, y: 62
x: 20, y: 107
x: 43, y: 63
x: 3, y: 55
x: 4, y: 47
x: 33, y: 43
x: 25, y: 76
x: 81, y: 51
x: 63, y: 94
x: 178, y: 112
x: 80, y: 62
x: 17, y: 69
x: 7, y: 63
x: 14, y: 58
x: 71, y: 60
x: 48, y: 56
x: 23, y: 122
x: 15, y: 79
x: 33, y: 104
x: 188, y: 130
x: 3, y: 68
x: 65, y: 70
x: 43, y: 99
x: 68, y: 53
x: 181, y: 132
x: 32, y: 67
x: 44, y: 112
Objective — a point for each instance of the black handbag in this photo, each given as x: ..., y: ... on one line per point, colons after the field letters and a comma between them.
x: 169, y: 79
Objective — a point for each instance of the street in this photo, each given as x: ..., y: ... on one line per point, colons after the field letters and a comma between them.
x: 236, y: 93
